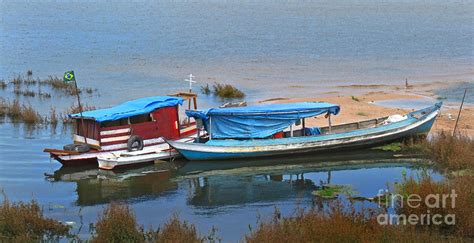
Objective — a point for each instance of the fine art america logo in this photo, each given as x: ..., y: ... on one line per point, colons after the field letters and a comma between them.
x: 432, y: 203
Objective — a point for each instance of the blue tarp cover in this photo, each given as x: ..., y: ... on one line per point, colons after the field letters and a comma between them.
x: 258, y: 121
x: 130, y: 108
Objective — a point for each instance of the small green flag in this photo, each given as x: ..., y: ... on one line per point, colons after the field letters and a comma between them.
x: 69, y: 76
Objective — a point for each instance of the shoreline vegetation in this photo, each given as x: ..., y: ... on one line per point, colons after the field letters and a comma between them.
x: 43, y: 89
x: 330, y: 219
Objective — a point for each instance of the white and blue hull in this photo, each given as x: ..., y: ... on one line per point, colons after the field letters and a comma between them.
x: 231, y: 149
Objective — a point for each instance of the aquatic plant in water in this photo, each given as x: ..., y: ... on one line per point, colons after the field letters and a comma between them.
x: 332, y: 191
x: 227, y: 91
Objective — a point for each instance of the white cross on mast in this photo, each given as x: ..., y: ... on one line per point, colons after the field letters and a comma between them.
x: 191, y: 81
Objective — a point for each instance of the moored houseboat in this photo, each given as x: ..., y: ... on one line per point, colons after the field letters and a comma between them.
x: 136, y: 125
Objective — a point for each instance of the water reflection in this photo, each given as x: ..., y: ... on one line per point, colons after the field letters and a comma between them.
x: 217, y: 184
x: 225, y: 190
x: 95, y: 186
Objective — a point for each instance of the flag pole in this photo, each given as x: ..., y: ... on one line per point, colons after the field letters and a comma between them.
x: 80, y: 111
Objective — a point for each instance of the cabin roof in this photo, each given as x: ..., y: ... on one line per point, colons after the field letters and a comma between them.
x: 301, y: 109
x: 130, y: 108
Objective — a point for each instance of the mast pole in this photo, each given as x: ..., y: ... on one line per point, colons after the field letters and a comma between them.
x: 459, y: 113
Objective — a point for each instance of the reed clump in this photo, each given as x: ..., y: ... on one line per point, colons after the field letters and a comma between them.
x: 3, y: 108
x: 28, y: 93
x: 17, y: 80
x: 44, y: 95
x: 89, y: 90
x: 206, y: 90
x: 29, y: 115
x: 175, y: 230
x: 337, y: 224
x: 117, y: 223
x: 227, y: 91
x: 74, y: 109
x: 14, y: 110
x: 458, y: 213
x: 26, y: 113
x: 17, y: 112
x: 59, y: 85
x: 53, y: 117
x: 30, y: 81
x: 24, y: 222
x: 56, y: 83
x: 451, y: 152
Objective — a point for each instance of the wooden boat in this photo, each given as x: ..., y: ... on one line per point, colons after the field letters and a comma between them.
x: 256, y: 131
x: 136, y: 125
x: 162, y: 151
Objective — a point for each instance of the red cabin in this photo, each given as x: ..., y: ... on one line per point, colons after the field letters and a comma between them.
x: 132, y: 125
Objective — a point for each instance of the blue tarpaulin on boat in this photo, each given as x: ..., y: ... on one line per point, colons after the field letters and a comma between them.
x: 258, y: 121
x: 130, y: 108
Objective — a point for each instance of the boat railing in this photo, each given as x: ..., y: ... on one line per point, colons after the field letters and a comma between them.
x: 354, y: 125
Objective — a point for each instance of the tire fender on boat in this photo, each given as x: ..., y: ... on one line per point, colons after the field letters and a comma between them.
x: 134, y: 143
x: 81, y: 148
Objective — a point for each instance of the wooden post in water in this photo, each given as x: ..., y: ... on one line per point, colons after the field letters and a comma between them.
x: 459, y: 113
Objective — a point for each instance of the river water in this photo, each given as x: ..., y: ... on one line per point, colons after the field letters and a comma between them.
x: 130, y: 50
x: 230, y: 196
x: 267, y: 48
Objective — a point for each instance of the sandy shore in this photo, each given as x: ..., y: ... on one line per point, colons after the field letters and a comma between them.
x: 364, y: 106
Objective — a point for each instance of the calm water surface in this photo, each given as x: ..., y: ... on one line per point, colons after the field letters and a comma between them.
x: 130, y: 50
x: 228, y: 195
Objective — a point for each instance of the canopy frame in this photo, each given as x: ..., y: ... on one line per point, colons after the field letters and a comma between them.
x: 259, y: 121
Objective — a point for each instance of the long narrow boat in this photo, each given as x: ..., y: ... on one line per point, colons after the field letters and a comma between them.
x: 257, y: 131
x: 129, y: 128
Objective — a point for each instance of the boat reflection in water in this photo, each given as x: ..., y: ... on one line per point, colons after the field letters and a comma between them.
x: 95, y: 186
x: 215, y: 184
x: 223, y: 190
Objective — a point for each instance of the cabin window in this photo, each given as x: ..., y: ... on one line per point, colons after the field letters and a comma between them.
x: 140, y: 118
